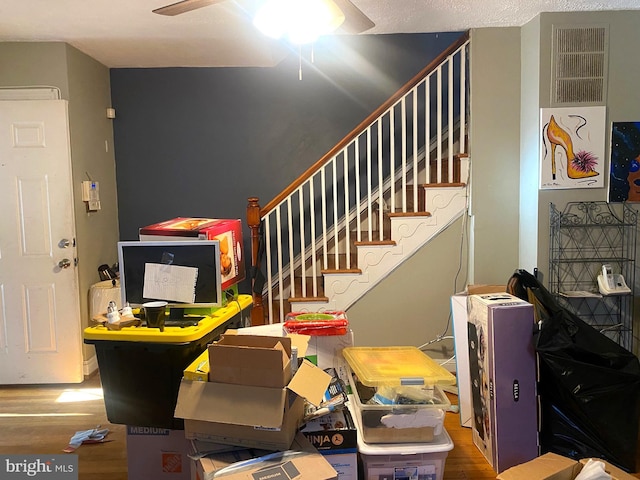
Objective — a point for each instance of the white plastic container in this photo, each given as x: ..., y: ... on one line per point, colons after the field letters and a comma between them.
x: 410, y: 461
x: 396, y: 396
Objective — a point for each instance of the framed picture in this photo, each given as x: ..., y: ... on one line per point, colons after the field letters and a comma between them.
x: 624, y: 176
x: 572, y: 150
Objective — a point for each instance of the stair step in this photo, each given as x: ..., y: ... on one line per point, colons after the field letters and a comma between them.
x: 409, y: 214
x: 444, y: 185
x: 307, y: 299
x: 375, y: 243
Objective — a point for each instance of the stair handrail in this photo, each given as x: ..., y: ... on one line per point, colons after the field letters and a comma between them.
x: 257, y: 214
x: 351, y: 136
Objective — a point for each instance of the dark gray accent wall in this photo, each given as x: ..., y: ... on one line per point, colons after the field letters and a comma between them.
x: 200, y: 141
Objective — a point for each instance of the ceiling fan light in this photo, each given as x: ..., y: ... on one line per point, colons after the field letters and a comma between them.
x: 301, y: 21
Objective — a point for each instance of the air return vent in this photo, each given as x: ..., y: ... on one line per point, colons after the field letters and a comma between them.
x: 579, y: 59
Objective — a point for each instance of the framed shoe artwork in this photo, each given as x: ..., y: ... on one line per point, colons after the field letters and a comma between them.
x: 624, y: 177
x: 572, y: 150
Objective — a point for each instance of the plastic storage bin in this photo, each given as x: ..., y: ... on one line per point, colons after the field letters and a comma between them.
x: 407, y: 461
x: 141, y: 368
x: 396, y: 394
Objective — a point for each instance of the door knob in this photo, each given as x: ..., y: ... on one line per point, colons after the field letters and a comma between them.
x: 64, y: 263
x: 64, y: 243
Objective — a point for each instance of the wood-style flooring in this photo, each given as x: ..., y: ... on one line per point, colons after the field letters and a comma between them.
x: 33, y: 420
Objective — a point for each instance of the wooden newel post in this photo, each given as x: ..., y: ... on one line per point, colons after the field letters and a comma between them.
x: 253, y: 220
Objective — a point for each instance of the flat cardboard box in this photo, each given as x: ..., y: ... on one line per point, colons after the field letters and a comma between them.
x: 227, y: 231
x: 551, y: 466
x: 249, y: 416
x: 301, y: 462
x: 461, y: 344
x: 256, y: 360
x: 157, y: 453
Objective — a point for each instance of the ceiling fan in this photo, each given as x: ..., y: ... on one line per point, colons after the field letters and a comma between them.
x: 355, y: 21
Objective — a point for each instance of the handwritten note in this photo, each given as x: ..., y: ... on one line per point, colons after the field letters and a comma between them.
x: 170, y: 282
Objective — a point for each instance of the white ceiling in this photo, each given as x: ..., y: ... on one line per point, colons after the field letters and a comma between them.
x: 125, y: 33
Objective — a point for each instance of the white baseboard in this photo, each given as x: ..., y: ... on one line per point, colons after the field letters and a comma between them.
x: 90, y: 366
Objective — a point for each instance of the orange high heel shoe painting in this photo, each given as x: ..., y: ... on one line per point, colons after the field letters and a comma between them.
x: 580, y: 165
x: 573, y: 147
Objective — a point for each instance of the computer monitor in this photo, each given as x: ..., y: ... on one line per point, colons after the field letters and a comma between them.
x: 186, y: 274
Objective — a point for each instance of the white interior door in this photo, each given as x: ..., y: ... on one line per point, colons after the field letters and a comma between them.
x: 40, y: 329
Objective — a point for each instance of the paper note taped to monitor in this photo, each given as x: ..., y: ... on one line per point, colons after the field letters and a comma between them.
x: 170, y: 282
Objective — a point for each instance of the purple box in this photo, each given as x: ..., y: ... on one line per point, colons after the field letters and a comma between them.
x: 502, y: 367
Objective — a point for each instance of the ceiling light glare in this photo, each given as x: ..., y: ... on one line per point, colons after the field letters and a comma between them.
x: 300, y: 21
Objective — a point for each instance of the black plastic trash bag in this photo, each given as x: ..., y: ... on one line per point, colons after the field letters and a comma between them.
x: 589, y: 386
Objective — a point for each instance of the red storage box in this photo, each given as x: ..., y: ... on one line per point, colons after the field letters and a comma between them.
x: 227, y: 231
x: 317, y: 323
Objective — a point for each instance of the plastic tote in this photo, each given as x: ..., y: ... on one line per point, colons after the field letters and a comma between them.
x: 141, y: 368
x: 589, y: 385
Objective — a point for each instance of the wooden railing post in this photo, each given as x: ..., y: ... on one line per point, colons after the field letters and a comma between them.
x: 253, y: 220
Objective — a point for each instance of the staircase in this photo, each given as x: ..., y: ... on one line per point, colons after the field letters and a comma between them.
x: 384, y: 191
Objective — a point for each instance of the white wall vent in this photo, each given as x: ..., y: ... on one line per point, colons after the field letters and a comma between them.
x: 579, y: 64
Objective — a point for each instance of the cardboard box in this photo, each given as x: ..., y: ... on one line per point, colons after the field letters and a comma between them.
x: 503, y: 379
x: 335, y: 436
x: 323, y: 351
x: 227, y: 231
x: 461, y: 344
x: 301, y: 462
x: 257, y: 360
x: 335, y: 431
x: 249, y: 416
x: 157, y: 453
x: 484, y: 289
x: 551, y: 466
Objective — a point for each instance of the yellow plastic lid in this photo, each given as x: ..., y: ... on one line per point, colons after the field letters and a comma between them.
x: 393, y: 366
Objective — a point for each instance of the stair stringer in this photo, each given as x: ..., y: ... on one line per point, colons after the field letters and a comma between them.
x: 376, y: 262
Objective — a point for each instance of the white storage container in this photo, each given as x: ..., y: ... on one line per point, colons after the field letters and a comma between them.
x: 395, y: 394
x: 406, y: 461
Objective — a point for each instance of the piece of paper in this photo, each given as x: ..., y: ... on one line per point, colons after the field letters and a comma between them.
x: 170, y: 282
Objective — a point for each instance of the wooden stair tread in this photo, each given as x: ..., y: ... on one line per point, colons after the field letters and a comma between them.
x: 376, y: 243
x: 341, y: 270
x: 307, y: 299
x: 408, y: 214
x: 443, y: 185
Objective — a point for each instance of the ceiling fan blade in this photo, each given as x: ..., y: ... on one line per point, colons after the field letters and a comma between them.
x: 184, y: 6
x: 354, y: 20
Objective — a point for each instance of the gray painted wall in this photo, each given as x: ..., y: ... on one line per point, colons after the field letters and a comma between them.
x: 85, y: 84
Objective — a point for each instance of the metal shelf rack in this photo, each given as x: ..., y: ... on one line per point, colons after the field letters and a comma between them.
x: 583, y: 237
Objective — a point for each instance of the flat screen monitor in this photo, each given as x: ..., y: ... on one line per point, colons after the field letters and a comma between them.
x: 186, y: 274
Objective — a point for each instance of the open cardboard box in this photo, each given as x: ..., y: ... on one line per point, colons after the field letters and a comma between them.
x: 551, y: 466
x: 301, y: 462
x: 247, y: 415
x: 261, y: 361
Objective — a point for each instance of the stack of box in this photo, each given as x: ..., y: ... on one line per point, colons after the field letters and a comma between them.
x: 251, y: 398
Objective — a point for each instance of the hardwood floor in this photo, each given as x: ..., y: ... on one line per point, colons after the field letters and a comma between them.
x: 33, y: 420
